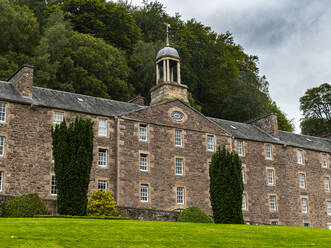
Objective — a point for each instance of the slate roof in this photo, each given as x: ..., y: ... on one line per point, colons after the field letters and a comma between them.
x: 252, y: 132
x: 68, y: 101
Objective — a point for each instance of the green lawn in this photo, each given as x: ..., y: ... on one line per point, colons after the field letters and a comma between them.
x: 49, y: 233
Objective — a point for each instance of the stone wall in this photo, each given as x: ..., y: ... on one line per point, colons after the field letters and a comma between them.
x: 150, y: 214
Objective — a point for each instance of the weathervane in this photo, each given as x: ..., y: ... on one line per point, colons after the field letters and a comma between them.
x: 167, y: 27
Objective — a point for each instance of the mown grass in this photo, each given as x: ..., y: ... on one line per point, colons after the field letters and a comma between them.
x: 40, y: 232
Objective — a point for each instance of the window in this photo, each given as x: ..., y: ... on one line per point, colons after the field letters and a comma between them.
x: 304, y: 205
x: 211, y: 144
x: 306, y: 224
x: 326, y: 184
x: 270, y: 176
x: 299, y: 156
x: 102, y: 185
x: 274, y: 223
x: 243, y: 173
x: 268, y: 151
x: 272, y: 203
x: 2, y: 146
x: 179, y: 166
x: 58, y: 117
x: 102, y: 159
x: 143, y: 162
x: 302, y: 179
x: 328, y: 206
x: 102, y: 130
x: 3, y: 112
x: 178, y: 137
x: 53, y: 186
x: 240, y: 150
x: 324, y: 161
x: 180, y: 195
x: 244, y: 203
x: 1, y: 180
x: 144, y: 193
x: 143, y: 132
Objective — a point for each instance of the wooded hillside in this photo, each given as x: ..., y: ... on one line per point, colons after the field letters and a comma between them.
x: 108, y: 49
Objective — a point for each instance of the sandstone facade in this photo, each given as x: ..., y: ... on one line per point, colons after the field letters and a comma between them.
x: 26, y: 164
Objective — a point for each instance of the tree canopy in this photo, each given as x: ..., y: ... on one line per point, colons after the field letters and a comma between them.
x: 107, y: 49
x: 316, y: 108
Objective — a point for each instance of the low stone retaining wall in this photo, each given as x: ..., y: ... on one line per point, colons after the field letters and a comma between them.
x: 149, y: 214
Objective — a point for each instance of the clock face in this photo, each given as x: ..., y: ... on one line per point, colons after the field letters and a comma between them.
x: 177, y: 116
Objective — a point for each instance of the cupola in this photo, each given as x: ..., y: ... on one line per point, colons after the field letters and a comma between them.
x: 168, y: 81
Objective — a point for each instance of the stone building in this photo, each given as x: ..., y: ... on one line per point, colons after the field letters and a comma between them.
x: 156, y: 157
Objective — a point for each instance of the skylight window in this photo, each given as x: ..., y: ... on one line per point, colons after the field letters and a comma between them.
x: 309, y: 139
x: 233, y: 127
x: 80, y: 99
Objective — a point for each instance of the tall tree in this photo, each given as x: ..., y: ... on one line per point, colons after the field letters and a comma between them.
x: 73, y: 157
x: 80, y: 63
x: 316, y: 107
x: 226, y: 187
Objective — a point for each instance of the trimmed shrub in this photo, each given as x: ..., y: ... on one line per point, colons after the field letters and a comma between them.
x: 24, y: 206
x: 195, y: 215
x: 102, y: 203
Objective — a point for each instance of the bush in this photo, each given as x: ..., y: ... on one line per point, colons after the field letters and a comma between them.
x: 194, y: 214
x: 102, y: 203
x: 24, y: 206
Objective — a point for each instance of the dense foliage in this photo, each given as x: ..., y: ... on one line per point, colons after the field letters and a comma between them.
x: 195, y: 215
x: 24, y: 206
x: 107, y: 49
x: 316, y: 107
x: 102, y: 203
x: 73, y: 156
x: 226, y: 187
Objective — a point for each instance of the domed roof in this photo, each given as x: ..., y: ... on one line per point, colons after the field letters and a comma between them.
x: 167, y: 51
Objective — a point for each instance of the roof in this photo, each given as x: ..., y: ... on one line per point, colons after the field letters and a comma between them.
x: 252, y: 132
x: 68, y: 101
x: 167, y: 51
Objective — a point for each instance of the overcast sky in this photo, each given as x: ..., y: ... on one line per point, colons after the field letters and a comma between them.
x: 292, y: 39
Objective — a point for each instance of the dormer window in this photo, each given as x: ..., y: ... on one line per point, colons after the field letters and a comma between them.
x: 3, y: 107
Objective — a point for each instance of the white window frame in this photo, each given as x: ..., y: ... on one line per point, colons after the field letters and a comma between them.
x: 102, y: 157
x: 324, y: 161
x: 53, y: 185
x: 304, y: 205
x: 3, y: 112
x: 240, y: 147
x: 300, y: 156
x: 180, y: 195
x: 244, y: 202
x: 143, y: 161
x: 178, y: 138
x: 243, y: 174
x: 143, y: 136
x: 144, y: 193
x: 58, y: 117
x: 302, y: 180
x: 2, y: 146
x: 268, y: 151
x: 102, y: 185
x: 272, y: 203
x: 211, y: 142
x: 326, y: 184
x: 102, y: 127
x: 271, y: 177
x: 179, y: 166
x: 328, y: 207
x: 1, y: 180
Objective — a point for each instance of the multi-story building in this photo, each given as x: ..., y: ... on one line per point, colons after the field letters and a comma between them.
x: 157, y: 156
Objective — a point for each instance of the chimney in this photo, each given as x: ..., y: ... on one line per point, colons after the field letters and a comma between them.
x: 140, y: 100
x: 268, y: 123
x: 23, y: 80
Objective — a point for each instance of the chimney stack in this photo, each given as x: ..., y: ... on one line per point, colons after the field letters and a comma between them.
x: 23, y: 80
x: 268, y: 123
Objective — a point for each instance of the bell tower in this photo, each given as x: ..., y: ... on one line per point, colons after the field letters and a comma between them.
x: 168, y: 81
